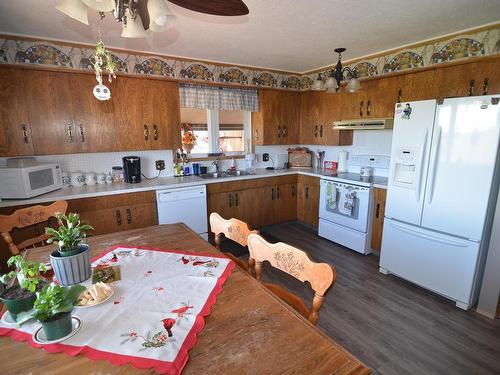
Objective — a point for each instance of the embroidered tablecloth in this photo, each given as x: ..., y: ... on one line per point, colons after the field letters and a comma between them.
x: 155, y: 314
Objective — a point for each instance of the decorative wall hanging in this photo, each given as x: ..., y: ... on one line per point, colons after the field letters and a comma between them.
x: 103, y: 61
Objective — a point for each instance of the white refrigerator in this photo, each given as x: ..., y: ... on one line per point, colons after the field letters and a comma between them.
x: 443, y: 181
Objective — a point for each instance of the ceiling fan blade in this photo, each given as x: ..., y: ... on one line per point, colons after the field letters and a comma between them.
x: 142, y: 8
x: 214, y: 7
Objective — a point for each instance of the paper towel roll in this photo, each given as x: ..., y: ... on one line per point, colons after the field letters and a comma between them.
x: 342, y: 167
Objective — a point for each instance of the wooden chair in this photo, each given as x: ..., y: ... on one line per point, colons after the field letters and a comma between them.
x: 296, y: 263
x: 235, y: 230
x: 26, y: 217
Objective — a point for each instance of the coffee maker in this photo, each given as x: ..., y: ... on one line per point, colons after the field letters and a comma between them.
x: 132, y: 169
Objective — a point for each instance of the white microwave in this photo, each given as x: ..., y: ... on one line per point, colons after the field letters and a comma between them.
x: 29, y: 181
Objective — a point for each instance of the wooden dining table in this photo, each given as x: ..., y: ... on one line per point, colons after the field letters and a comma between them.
x: 249, y: 331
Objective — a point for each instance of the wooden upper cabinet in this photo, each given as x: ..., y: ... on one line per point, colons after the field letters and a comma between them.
x: 94, y: 119
x: 468, y: 79
x: 318, y: 112
x: 161, y: 114
x: 384, y: 96
x: 49, y: 101
x: 15, y: 124
x: 278, y: 119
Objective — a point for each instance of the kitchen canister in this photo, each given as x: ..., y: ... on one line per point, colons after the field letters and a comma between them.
x: 109, y: 178
x: 66, y: 179
x: 90, y: 178
x: 77, y: 179
x: 101, y: 178
x: 342, y: 167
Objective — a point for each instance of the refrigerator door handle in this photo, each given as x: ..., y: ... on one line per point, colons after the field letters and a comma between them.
x: 435, y: 156
x: 420, y: 166
x: 430, y: 237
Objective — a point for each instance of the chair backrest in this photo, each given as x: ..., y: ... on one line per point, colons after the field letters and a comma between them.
x: 296, y: 263
x: 233, y: 229
x: 26, y: 217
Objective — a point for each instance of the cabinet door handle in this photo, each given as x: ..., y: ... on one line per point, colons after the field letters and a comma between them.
x: 316, y: 131
x: 272, y: 194
x: 361, y: 103
x: 307, y: 192
x: 293, y: 190
x: 156, y: 133
x: 285, y: 131
x: 279, y: 131
x: 377, y: 211
x: 256, y: 133
x: 236, y: 199
x: 321, y: 131
x: 485, y: 86
x: 471, y: 87
x: 368, y: 107
x: 25, y: 134
x: 146, y: 133
x: 82, y: 133
x: 400, y: 93
x: 118, y: 217
x: 129, y: 216
x: 230, y: 200
x: 70, y: 132
x: 277, y: 193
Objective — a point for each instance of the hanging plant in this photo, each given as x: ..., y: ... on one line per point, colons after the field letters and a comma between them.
x: 103, y: 63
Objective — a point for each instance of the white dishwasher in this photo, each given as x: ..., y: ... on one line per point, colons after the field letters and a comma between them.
x: 184, y: 205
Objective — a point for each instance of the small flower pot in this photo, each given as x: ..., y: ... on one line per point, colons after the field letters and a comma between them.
x: 18, y: 305
x: 73, y: 269
x: 58, y: 326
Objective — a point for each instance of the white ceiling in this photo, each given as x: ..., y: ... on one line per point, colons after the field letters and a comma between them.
x: 293, y: 35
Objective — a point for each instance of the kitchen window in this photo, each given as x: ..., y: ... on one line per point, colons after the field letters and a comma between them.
x: 218, y: 130
x: 219, y: 117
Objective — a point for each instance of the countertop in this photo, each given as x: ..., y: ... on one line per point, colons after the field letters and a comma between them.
x: 156, y: 184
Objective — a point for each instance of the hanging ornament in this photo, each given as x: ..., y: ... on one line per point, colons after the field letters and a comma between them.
x: 103, y: 62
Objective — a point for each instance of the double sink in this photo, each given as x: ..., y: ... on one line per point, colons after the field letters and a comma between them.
x: 224, y: 174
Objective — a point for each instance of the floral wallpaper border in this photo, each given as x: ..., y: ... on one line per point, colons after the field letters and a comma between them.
x: 458, y: 47
x: 46, y: 53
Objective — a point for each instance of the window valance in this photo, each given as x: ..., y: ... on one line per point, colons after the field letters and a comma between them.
x: 212, y: 97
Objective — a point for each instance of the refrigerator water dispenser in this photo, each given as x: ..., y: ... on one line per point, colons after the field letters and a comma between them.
x: 405, y: 169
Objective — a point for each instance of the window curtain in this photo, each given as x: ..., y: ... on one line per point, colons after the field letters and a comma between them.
x: 211, y: 97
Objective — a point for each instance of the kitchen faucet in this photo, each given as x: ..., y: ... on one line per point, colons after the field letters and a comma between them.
x: 216, y: 162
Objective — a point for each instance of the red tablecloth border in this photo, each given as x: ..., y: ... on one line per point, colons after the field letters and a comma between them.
x: 161, y: 367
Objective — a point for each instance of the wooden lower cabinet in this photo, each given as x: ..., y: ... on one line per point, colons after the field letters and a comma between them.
x: 114, y: 213
x: 308, y: 200
x: 379, y: 196
x: 258, y: 202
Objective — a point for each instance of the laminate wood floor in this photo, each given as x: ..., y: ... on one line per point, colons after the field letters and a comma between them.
x: 394, y: 327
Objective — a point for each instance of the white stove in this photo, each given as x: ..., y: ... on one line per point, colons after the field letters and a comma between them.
x: 346, y: 204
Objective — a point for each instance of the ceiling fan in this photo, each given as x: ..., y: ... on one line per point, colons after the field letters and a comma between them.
x: 137, y: 16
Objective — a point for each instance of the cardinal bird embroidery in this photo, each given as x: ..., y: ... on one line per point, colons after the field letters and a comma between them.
x: 199, y: 262
x: 114, y: 259
x: 184, y: 260
x: 181, y: 311
x: 168, y: 324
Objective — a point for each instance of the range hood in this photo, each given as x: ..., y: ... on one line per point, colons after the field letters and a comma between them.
x: 364, y: 124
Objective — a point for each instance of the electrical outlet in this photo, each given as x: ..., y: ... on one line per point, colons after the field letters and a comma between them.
x: 265, y: 156
x: 160, y: 165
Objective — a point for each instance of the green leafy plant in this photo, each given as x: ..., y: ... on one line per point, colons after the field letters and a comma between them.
x: 53, y: 299
x: 29, y: 270
x: 71, y: 232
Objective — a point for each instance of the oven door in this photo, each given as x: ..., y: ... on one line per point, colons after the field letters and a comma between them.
x: 329, y: 208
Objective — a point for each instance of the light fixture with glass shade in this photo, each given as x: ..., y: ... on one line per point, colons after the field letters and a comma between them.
x: 337, y: 76
x: 75, y: 9
x: 136, y: 16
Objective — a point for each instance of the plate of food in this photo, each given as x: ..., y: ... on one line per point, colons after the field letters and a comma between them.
x: 95, y: 295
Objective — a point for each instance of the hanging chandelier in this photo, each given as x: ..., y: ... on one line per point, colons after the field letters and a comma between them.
x: 137, y: 17
x: 338, y: 76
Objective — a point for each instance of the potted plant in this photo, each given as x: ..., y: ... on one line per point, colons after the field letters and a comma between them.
x: 52, y: 308
x: 71, y: 260
x: 21, y: 296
